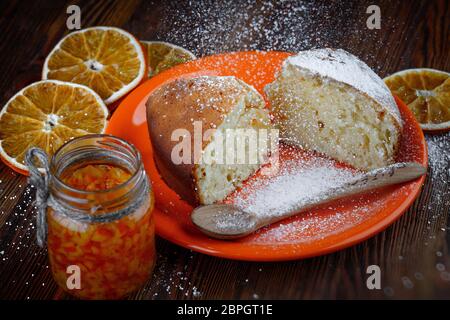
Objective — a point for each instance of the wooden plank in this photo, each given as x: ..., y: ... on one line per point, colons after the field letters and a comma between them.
x: 413, y: 253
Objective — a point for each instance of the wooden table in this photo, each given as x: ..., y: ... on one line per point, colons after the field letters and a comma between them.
x: 413, y: 253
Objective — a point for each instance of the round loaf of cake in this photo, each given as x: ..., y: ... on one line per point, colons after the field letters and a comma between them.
x: 331, y: 102
x: 189, y: 120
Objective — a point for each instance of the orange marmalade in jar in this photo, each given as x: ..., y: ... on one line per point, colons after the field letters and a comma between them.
x: 100, y: 228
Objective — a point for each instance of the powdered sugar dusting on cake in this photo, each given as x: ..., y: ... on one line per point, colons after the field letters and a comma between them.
x: 342, y: 66
x: 183, y: 88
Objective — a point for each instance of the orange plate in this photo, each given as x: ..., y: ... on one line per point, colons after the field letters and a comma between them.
x: 322, y: 230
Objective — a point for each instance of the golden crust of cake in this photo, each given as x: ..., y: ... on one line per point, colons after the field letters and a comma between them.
x: 180, y: 103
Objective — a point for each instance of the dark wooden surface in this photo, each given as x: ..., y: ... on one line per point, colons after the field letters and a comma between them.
x: 413, y: 253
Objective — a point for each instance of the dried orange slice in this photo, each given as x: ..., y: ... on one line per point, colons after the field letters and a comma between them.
x: 163, y: 55
x: 108, y: 60
x: 427, y: 94
x: 46, y: 114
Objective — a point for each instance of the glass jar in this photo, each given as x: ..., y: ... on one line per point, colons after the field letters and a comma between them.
x: 104, y: 236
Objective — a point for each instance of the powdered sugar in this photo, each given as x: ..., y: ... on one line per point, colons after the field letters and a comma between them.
x: 439, y: 161
x: 208, y: 27
x: 439, y: 156
x: 297, y: 182
x: 342, y: 66
x: 309, y: 226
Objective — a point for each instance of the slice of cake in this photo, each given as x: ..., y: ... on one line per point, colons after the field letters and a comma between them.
x: 331, y: 102
x: 210, y: 168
